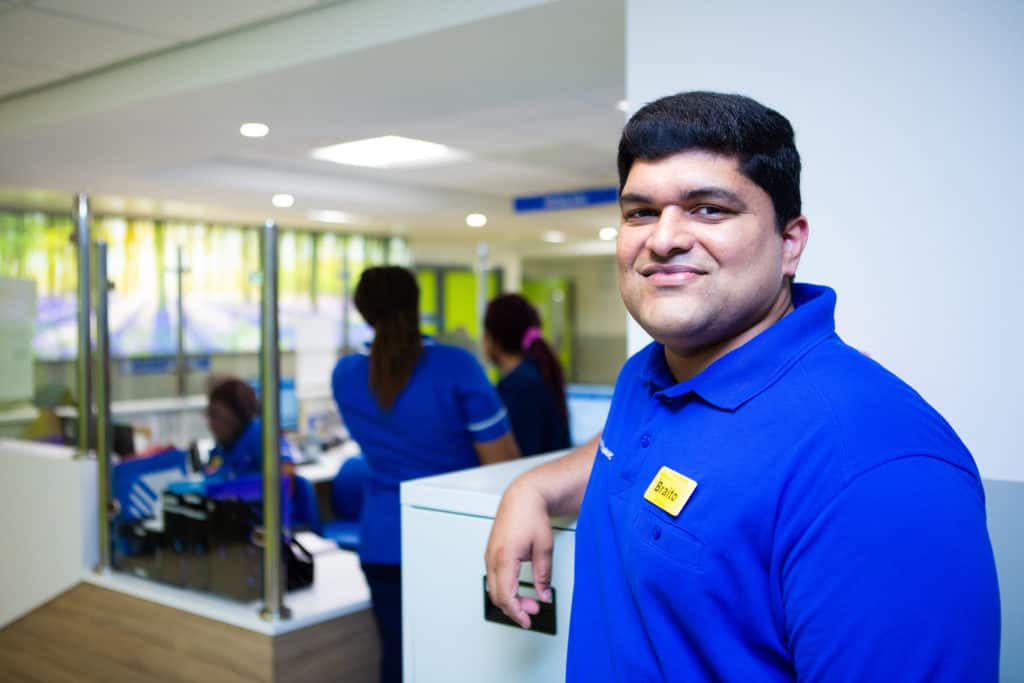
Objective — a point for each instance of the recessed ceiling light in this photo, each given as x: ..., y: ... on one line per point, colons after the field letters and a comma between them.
x: 623, y: 106
x: 329, y: 216
x: 282, y: 201
x: 553, y: 236
x: 608, y: 233
x: 389, y: 151
x: 254, y: 130
x: 476, y: 220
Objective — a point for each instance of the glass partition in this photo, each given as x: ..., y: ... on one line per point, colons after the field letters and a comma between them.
x: 180, y: 516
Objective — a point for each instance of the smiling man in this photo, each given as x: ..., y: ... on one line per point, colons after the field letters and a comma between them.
x: 765, y: 503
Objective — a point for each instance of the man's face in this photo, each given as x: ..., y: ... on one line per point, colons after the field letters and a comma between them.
x: 700, y: 259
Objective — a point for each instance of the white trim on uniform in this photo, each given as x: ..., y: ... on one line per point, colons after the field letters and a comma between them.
x: 489, y: 422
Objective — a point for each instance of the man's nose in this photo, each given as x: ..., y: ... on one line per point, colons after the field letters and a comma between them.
x: 671, y: 233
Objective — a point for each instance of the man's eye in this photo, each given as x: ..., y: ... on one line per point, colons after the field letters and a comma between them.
x: 706, y: 210
x: 639, y: 213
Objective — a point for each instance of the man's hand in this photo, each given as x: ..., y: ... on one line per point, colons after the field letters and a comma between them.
x: 521, y: 531
x: 522, y: 528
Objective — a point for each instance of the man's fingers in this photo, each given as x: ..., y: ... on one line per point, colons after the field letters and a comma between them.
x: 541, y: 562
x: 503, y: 587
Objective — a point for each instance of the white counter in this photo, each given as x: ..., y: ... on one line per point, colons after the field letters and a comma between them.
x: 327, y: 466
x: 475, y: 491
x: 47, y: 522
x: 445, y: 524
x: 338, y: 589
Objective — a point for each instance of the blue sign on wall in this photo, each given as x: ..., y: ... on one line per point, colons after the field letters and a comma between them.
x: 566, y: 200
x: 148, y: 365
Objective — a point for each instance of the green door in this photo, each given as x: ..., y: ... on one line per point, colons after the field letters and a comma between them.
x: 429, y: 315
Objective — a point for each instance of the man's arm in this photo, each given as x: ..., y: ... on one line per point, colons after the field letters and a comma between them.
x: 895, y: 580
x: 522, y: 528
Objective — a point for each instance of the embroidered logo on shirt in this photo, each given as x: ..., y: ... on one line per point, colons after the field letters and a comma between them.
x: 605, y: 451
x: 670, y: 490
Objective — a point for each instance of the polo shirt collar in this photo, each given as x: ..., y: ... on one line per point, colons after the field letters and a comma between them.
x: 741, y: 374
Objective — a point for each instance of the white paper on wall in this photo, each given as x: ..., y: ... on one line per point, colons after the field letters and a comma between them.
x: 17, y: 317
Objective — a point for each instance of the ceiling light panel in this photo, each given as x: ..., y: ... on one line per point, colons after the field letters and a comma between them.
x: 329, y: 216
x: 254, y: 130
x: 282, y: 201
x: 476, y: 220
x: 389, y: 151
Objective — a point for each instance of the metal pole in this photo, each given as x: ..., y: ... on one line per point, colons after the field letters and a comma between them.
x: 180, y: 368
x: 270, y: 371
x: 104, y: 426
x: 84, y: 380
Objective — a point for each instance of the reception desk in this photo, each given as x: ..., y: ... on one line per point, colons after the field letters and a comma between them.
x: 116, y: 626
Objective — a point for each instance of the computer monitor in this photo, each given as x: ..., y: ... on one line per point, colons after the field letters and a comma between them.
x: 289, y: 402
x: 123, y: 437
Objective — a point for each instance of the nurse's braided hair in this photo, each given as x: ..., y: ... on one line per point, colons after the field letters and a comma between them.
x: 514, y: 325
x: 388, y: 298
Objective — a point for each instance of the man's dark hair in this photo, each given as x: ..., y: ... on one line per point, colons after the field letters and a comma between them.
x: 761, y: 140
x: 388, y: 298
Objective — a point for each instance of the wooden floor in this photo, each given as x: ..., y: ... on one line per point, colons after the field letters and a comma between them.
x: 94, y: 634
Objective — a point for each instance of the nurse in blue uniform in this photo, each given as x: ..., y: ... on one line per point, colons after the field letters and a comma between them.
x: 415, y: 408
x: 232, y: 413
x: 532, y: 384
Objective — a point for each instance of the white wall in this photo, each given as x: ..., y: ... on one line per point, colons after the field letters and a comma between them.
x: 907, y: 120
x: 17, y: 315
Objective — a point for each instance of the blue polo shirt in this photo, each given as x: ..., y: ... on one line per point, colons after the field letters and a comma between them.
x: 537, y: 420
x: 836, y: 533
x: 244, y: 456
x: 446, y: 407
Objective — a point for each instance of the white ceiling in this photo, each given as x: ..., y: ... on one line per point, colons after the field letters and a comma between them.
x: 531, y: 95
x: 45, y: 40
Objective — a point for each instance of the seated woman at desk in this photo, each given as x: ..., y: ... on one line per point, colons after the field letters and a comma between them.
x: 232, y: 413
x: 416, y: 408
x: 532, y: 384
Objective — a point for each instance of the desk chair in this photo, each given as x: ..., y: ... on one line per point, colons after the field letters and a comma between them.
x: 305, y: 511
x: 347, y: 503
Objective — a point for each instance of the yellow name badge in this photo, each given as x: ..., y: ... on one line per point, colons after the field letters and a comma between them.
x: 670, y: 490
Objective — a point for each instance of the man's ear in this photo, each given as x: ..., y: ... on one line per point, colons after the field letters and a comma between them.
x: 794, y: 239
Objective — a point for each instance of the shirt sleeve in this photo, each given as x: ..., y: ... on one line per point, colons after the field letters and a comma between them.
x: 895, y: 581
x: 285, y: 451
x: 483, y: 413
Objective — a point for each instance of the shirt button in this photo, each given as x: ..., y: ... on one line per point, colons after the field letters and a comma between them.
x: 656, y: 533
x: 645, y: 440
